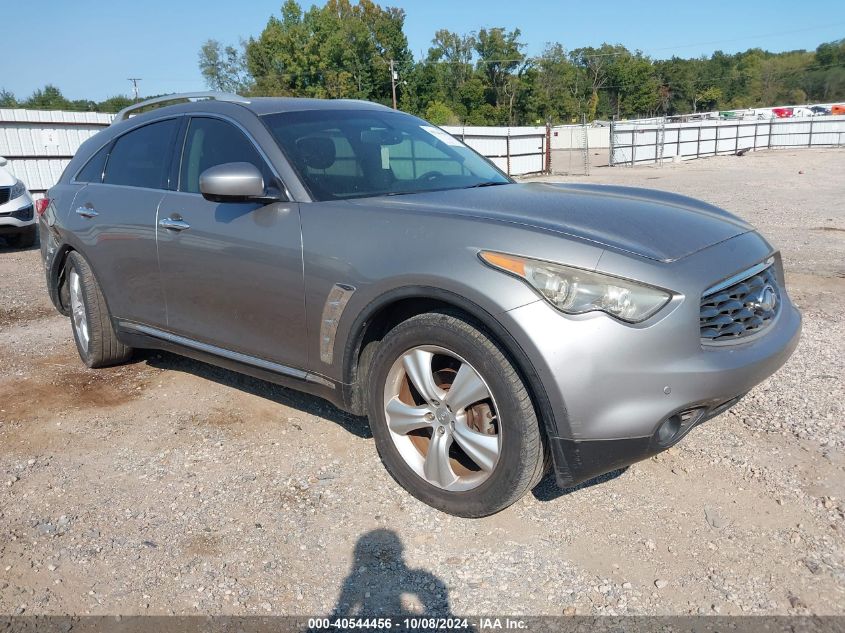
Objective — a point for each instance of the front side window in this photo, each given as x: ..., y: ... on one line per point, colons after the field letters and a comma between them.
x: 358, y: 153
x: 212, y: 142
x: 141, y: 158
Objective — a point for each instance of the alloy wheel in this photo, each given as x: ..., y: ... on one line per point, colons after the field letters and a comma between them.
x: 77, y: 308
x: 442, y: 418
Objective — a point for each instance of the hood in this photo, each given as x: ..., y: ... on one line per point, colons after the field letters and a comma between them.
x: 653, y: 224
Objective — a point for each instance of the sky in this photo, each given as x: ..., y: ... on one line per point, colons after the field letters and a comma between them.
x: 89, y: 48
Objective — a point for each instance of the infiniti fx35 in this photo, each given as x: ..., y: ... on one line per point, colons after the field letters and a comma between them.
x: 490, y: 330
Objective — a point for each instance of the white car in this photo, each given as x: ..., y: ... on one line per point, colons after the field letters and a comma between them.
x: 802, y: 111
x: 17, y: 211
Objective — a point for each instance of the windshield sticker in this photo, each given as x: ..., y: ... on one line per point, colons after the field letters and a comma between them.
x: 440, y: 135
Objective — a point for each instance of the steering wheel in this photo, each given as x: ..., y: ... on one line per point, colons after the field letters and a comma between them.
x: 430, y: 176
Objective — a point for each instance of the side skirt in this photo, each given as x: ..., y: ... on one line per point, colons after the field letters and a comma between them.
x: 145, y: 337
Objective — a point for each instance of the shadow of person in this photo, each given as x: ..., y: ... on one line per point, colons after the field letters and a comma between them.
x: 380, y: 584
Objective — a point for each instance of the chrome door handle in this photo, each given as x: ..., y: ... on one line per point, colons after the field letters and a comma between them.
x: 173, y: 225
x: 86, y: 212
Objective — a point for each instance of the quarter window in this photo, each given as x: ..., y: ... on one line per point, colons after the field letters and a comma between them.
x: 141, y: 158
x: 93, y: 170
x: 212, y: 142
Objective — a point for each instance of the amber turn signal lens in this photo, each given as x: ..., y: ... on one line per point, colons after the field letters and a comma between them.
x: 511, y: 263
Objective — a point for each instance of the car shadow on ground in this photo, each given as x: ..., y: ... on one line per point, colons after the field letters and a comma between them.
x: 380, y: 584
x: 548, y: 490
x: 288, y: 397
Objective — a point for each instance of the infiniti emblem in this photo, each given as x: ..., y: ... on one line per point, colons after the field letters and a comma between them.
x: 766, y: 300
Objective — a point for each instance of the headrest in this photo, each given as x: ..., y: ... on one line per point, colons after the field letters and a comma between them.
x: 318, y: 152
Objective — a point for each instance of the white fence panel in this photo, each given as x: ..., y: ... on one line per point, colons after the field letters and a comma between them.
x: 515, y: 150
x: 650, y: 141
x: 572, y: 137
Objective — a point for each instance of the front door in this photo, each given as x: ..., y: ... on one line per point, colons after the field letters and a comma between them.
x: 231, y: 271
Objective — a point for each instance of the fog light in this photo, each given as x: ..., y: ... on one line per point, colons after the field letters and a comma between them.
x: 675, y: 426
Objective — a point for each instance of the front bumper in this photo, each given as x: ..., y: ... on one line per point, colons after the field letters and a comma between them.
x: 17, y: 215
x: 707, y: 385
x: 576, y: 461
x: 611, y: 386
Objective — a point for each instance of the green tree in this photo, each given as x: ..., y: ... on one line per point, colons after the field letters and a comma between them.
x: 595, y: 64
x: 114, y: 104
x: 502, y: 63
x: 440, y: 114
x: 634, y: 87
x: 556, y: 94
x: 452, y: 54
x: 707, y: 99
x: 224, y: 68
x: 338, y: 50
x: 47, y: 98
x: 7, y: 99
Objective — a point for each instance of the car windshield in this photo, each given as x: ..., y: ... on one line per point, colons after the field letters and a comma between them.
x: 342, y: 154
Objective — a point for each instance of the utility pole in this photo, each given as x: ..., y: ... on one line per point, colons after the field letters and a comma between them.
x: 393, y: 78
x: 134, y: 81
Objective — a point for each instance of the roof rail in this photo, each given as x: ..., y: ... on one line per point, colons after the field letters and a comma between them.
x: 216, y: 96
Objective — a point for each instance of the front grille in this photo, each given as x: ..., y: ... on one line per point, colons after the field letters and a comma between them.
x: 4, y: 194
x: 740, y: 310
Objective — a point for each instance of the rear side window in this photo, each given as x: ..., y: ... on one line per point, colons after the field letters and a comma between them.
x: 93, y: 170
x: 141, y: 158
x: 211, y: 142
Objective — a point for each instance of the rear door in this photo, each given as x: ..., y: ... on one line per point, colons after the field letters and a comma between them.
x: 114, y: 216
x: 231, y: 271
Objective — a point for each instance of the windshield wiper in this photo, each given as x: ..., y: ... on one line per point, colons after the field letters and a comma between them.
x: 491, y: 183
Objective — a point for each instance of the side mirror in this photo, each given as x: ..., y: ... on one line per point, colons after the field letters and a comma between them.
x: 3, y: 162
x: 232, y: 182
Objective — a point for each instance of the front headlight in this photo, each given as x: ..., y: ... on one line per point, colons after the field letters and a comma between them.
x: 575, y: 291
x: 18, y: 189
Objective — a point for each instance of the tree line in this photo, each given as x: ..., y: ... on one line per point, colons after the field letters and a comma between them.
x: 51, y: 98
x: 344, y: 49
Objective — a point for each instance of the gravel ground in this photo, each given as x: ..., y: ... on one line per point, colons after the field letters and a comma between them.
x: 168, y: 486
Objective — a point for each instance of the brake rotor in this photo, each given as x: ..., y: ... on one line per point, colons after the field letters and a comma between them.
x: 480, y: 418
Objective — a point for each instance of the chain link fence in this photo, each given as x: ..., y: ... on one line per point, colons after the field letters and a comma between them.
x: 576, y: 149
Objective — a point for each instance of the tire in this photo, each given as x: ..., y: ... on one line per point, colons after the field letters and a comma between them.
x: 91, y: 323
x: 416, y: 434
x: 26, y: 239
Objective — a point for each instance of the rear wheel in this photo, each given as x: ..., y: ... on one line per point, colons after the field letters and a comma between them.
x: 452, y: 420
x: 93, y: 332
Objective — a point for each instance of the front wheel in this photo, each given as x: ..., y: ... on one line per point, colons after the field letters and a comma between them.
x: 452, y: 420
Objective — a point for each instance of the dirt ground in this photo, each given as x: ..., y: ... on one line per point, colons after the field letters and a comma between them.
x: 168, y: 486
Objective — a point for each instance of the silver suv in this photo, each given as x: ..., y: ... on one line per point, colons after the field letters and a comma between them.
x: 490, y: 330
